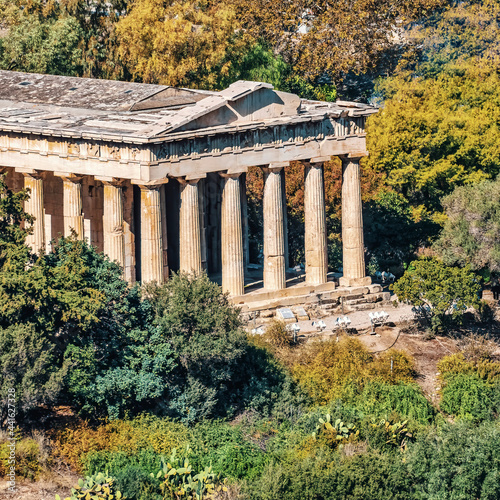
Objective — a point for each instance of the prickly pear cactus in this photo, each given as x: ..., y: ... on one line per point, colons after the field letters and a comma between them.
x: 96, y: 487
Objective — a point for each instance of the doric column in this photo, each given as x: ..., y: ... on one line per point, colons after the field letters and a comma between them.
x: 315, y: 224
x: 114, y: 237
x: 274, y: 232
x: 72, y: 205
x: 233, y: 258
x: 151, y: 235
x: 34, y: 206
x: 189, y: 227
x: 352, y: 225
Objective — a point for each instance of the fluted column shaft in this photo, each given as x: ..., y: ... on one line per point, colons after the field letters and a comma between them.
x: 315, y: 225
x: 233, y: 259
x: 151, y: 235
x: 352, y: 225
x: 72, y: 206
x: 274, y: 237
x: 34, y: 206
x: 114, y: 237
x: 190, y: 232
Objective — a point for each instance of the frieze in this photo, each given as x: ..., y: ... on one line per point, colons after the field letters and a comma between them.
x: 273, y: 136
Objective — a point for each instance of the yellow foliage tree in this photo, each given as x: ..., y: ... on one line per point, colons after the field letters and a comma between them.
x: 185, y: 43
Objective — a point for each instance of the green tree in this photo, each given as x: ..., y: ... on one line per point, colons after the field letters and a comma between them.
x: 205, y: 333
x: 391, y: 233
x: 28, y: 365
x: 471, y: 233
x: 67, y: 37
x: 438, y: 126
x: 440, y: 293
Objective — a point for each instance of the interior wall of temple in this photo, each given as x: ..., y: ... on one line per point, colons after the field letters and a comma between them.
x: 53, y: 205
x: 172, y: 197
x: 129, y: 230
x: 93, y: 209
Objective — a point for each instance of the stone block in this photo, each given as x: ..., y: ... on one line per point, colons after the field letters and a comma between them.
x: 300, y: 312
x: 285, y: 314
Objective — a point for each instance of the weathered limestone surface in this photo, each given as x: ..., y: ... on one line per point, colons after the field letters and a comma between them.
x: 72, y: 206
x: 233, y: 258
x: 114, y: 240
x: 315, y: 225
x: 34, y: 206
x: 82, y: 133
x: 274, y: 239
x: 151, y: 235
x: 129, y: 227
x: 190, y: 233
x: 353, y: 248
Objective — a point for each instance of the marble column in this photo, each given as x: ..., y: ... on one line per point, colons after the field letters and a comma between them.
x: 151, y: 235
x: 113, y: 226
x: 72, y: 206
x: 34, y: 206
x: 274, y: 232
x: 233, y: 258
x: 315, y: 224
x: 353, y: 249
x: 190, y: 231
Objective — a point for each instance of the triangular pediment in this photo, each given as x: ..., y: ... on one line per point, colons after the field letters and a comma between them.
x: 241, y: 102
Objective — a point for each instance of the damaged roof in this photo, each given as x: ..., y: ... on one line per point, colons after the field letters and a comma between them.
x: 123, y: 111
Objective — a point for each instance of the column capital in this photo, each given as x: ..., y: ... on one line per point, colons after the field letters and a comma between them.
x: 187, y: 180
x: 30, y: 172
x: 353, y: 156
x: 230, y: 175
x: 152, y: 184
x: 319, y: 160
x: 110, y: 181
x: 69, y: 177
x: 276, y: 166
x: 149, y: 187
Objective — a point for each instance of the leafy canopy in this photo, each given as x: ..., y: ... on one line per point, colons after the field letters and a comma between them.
x: 471, y: 232
x: 440, y: 293
x: 438, y: 126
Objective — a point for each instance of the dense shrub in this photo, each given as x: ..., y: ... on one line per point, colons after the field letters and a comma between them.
x: 339, y: 370
x: 403, y: 400
x: 367, y: 476
x: 458, y: 461
x: 470, y: 397
x: 227, y: 450
x: 126, y: 436
x: 131, y: 470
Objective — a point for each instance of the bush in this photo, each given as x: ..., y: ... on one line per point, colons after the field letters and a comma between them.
x: 127, y: 436
x: 361, y: 477
x: 456, y: 364
x: 332, y: 368
x: 277, y: 335
x: 339, y: 370
x: 394, y: 366
x: 132, y: 471
x: 29, y: 462
x: 402, y: 400
x: 457, y: 461
x: 469, y: 397
x: 96, y: 487
x: 225, y: 448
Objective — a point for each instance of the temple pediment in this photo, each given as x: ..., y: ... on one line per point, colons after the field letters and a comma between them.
x: 241, y: 102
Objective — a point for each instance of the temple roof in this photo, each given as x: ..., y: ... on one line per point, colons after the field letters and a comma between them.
x: 120, y: 111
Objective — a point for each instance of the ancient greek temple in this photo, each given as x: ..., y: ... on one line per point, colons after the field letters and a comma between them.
x: 154, y: 176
